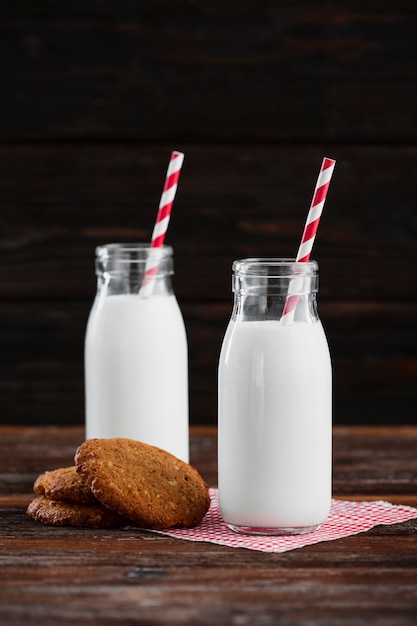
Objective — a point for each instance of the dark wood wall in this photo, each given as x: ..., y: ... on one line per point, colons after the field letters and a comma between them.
x: 94, y: 96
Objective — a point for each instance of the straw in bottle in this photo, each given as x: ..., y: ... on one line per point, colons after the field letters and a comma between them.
x: 309, y: 235
x: 161, y: 223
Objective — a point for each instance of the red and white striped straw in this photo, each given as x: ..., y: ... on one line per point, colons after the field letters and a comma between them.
x: 309, y: 235
x: 162, y: 221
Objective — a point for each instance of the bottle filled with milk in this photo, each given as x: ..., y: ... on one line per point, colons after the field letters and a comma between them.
x: 275, y: 402
x: 136, y: 357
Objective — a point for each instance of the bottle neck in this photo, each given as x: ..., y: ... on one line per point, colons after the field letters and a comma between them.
x: 262, y: 288
x: 121, y: 269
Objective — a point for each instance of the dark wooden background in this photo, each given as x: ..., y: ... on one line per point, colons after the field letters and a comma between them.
x: 96, y: 94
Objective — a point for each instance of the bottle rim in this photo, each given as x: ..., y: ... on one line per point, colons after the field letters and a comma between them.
x: 274, y: 267
x: 125, y: 252
x: 123, y: 258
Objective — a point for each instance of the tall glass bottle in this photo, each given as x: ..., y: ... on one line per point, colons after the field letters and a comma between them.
x: 136, y: 361
x: 275, y: 403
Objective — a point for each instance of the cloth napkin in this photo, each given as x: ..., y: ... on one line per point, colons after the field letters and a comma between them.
x: 346, y: 518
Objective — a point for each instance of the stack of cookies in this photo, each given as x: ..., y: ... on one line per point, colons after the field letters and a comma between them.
x: 117, y: 482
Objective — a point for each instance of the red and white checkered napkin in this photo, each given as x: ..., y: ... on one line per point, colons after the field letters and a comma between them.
x: 346, y: 518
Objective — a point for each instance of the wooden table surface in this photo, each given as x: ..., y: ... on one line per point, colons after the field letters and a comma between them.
x: 89, y: 577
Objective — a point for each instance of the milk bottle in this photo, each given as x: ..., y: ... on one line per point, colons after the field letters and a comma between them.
x: 136, y: 362
x: 275, y: 406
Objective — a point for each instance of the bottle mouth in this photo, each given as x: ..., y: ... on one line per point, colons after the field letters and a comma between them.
x: 117, y: 258
x: 128, y: 251
x: 274, y: 267
x: 273, y: 276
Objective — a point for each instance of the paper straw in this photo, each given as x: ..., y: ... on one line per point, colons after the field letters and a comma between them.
x: 309, y: 235
x: 162, y: 221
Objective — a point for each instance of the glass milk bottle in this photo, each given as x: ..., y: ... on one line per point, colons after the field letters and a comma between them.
x: 136, y: 361
x: 275, y: 403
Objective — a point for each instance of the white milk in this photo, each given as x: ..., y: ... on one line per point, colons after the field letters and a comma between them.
x: 136, y: 371
x: 274, y: 426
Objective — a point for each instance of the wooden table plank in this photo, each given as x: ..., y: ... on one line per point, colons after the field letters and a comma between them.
x: 127, y: 576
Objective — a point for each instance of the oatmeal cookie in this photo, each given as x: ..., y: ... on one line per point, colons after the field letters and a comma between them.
x: 143, y: 483
x: 57, y: 513
x: 64, y: 485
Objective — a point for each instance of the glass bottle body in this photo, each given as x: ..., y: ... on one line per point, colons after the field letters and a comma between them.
x: 136, y: 360
x: 275, y: 406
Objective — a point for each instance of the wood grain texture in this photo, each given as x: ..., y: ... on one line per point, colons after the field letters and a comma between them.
x: 372, y: 347
x: 189, y: 70
x: 59, y: 202
x: 64, y: 575
x: 96, y: 95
